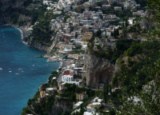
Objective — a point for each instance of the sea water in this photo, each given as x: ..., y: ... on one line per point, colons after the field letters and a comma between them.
x: 22, y: 71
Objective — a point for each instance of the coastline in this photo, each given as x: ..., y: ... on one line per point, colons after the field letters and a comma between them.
x: 20, y: 29
x: 22, y: 35
x: 48, y: 58
x: 60, y: 62
x: 33, y: 66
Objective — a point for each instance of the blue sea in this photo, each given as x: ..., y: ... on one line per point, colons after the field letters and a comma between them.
x: 22, y: 71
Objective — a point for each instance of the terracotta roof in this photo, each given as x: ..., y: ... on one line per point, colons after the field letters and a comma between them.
x: 67, y: 72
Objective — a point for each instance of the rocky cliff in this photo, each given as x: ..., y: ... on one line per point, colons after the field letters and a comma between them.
x: 99, y: 70
x: 61, y: 107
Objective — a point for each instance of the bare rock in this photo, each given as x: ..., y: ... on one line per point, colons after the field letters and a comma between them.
x: 98, y: 71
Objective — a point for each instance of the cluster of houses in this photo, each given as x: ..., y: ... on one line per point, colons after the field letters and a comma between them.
x: 93, y: 107
x: 75, y: 29
x: 58, y: 4
x: 71, y: 73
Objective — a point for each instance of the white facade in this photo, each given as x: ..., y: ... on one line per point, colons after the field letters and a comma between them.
x: 67, y: 78
x: 64, y: 3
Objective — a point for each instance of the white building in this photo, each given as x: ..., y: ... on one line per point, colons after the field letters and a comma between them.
x: 131, y: 21
x: 67, y: 77
x: 64, y: 3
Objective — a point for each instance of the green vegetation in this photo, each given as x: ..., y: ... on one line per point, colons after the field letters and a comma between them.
x: 154, y: 18
x: 41, y: 31
x: 140, y: 67
x: 42, y: 106
x: 114, y: 54
x: 26, y: 11
x: 136, y: 84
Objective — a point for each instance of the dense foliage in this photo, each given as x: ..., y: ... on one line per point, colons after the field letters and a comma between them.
x: 20, y: 12
x: 139, y: 76
x: 41, y: 31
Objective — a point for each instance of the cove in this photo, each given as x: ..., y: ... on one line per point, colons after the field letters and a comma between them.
x: 22, y: 71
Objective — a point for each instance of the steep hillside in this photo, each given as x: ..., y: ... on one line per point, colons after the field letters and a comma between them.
x: 121, y: 68
x: 137, y: 80
x: 18, y: 12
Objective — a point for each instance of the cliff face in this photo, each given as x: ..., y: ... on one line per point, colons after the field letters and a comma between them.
x: 37, y: 45
x: 60, y: 107
x: 98, y: 71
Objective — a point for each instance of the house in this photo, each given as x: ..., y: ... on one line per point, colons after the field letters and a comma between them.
x: 78, y: 71
x: 87, y: 14
x: 64, y: 3
x: 131, y: 21
x: 111, y: 17
x: 57, y: 12
x: 106, y: 6
x: 61, y: 86
x: 67, y: 76
x: 88, y: 113
x: 67, y: 48
x: 87, y: 36
x: 42, y: 94
x: 47, y: 2
x: 73, y: 56
x: 140, y: 13
x: 109, y: 32
x: 67, y: 37
x: 42, y: 91
x: 51, y: 90
x: 135, y: 100
x: 93, y: 106
x: 78, y: 104
x: 118, y: 8
x: 84, y: 45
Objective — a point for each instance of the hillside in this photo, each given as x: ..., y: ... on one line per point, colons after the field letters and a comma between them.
x: 19, y: 12
x: 110, y: 49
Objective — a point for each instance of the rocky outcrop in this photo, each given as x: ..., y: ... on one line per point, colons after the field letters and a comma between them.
x: 98, y: 71
x: 39, y: 46
x: 61, y: 106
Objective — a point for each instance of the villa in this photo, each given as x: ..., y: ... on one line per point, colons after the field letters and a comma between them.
x: 68, y: 77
